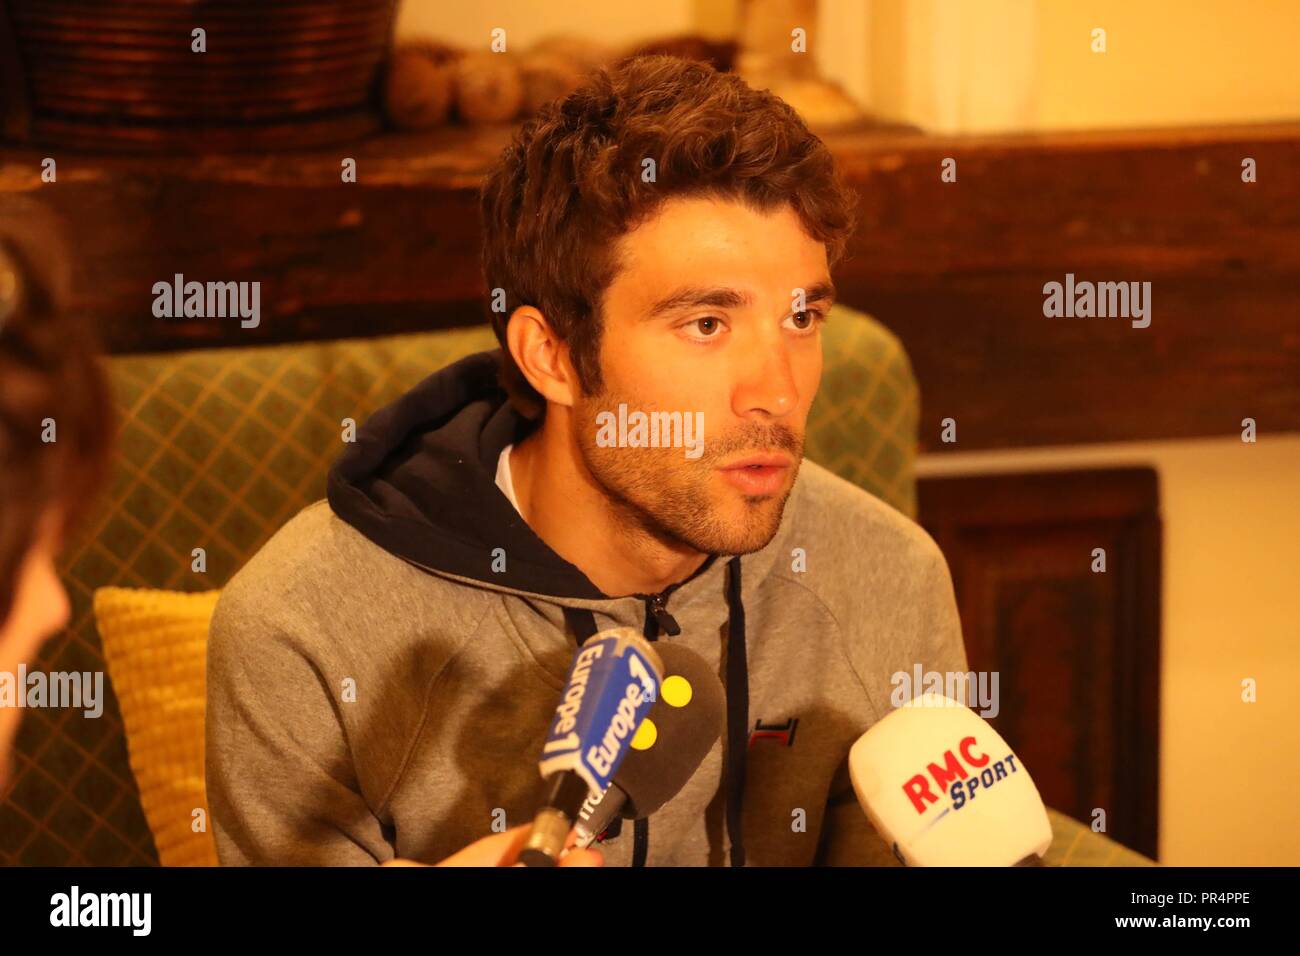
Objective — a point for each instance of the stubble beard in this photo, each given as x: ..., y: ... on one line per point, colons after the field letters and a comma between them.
x: 662, y: 494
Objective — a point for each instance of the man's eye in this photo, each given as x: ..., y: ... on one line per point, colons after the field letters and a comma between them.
x: 708, y: 325
x: 807, y: 319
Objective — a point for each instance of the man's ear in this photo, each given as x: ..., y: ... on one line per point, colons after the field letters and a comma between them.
x: 541, y: 355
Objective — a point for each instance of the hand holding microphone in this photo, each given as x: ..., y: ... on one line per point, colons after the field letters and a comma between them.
x: 943, y: 788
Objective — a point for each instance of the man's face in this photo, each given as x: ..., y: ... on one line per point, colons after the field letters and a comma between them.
x: 702, y: 319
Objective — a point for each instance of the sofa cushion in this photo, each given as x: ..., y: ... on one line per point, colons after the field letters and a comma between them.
x: 155, y: 645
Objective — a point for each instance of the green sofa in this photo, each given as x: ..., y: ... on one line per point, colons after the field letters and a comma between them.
x: 218, y: 448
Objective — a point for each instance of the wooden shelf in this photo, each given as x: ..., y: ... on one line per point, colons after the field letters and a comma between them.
x: 955, y: 269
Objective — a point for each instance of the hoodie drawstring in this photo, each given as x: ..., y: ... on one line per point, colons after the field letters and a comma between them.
x: 737, y: 712
x: 641, y: 825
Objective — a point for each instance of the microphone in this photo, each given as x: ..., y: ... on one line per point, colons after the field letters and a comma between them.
x: 614, y: 680
x: 683, y: 725
x: 944, y: 788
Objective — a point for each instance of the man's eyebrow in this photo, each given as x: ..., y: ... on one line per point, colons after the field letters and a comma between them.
x: 694, y: 296
x: 721, y: 297
x: 820, y: 292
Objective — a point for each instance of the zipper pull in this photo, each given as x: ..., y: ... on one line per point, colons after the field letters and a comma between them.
x: 667, y: 622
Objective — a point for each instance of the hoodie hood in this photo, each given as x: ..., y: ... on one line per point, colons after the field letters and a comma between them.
x: 419, y: 481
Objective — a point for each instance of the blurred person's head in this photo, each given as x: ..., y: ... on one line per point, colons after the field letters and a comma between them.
x: 650, y: 232
x: 49, y: 376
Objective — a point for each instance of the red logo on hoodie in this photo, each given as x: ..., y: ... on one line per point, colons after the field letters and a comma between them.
x: 781, y: 732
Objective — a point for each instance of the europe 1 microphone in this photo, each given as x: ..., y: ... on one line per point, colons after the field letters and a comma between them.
x: 614, y: 680
x: 683, y: 725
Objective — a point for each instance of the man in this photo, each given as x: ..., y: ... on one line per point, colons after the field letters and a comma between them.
x: 382, y: 674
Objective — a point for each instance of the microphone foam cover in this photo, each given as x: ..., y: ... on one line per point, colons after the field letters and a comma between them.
x: 686, y: 721
x: 941, y: 785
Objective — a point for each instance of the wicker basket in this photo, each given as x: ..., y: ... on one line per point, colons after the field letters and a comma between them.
x: 122, y: 74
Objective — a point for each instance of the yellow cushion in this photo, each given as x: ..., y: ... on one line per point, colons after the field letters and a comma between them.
x: 155, y: 646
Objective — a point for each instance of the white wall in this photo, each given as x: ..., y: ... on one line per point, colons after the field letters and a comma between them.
x: 959, y: 66
x: 526, y: 21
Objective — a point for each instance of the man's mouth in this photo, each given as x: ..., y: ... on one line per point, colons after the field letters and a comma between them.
x: 762, y: 474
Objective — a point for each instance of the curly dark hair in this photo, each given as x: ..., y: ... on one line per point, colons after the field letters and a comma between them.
x: 48, y: 370
x: 570, y: 184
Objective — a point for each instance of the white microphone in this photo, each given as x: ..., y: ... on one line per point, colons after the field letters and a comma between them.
x: 943, y: 788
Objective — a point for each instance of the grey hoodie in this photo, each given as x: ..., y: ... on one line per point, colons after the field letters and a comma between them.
x: 379, y: 686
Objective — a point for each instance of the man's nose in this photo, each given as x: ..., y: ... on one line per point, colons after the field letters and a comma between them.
x: 765, y: 380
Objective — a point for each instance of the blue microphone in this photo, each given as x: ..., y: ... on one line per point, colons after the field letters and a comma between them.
x: 613, y: 683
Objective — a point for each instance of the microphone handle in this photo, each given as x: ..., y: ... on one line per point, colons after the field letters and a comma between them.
x: 602, y: 815
x: 551, y: 825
